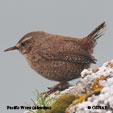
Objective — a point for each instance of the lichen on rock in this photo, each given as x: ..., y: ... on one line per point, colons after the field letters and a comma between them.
x: 92, y: 94
x: 97, y: 86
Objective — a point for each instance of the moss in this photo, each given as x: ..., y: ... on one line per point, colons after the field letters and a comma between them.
x: 62, y: 103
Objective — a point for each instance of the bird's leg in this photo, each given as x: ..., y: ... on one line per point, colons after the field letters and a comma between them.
x: 61, y: 86
x: 56, y: 87
x: 64, y: 86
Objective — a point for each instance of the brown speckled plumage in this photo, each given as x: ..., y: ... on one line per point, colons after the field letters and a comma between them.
x: 58, y: 57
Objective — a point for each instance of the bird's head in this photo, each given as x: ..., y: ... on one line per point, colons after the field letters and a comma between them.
x: 24, y: 45
x: 28, y: 41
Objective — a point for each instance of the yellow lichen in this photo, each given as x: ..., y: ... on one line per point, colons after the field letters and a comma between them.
x: 96, y: 84
x: 83, y: 98
x: 67, y: 109
x: 79, y: 100
x: 96, y: 88
x: 78, y: 92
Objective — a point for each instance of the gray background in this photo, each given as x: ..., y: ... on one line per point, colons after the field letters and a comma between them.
x: 75, y: 18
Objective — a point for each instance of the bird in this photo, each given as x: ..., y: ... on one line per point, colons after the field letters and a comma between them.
x: 58, y: 58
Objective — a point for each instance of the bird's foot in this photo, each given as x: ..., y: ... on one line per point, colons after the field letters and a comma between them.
x: 59, y: 87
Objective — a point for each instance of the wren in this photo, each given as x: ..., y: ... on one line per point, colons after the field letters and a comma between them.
x: 58, y: 58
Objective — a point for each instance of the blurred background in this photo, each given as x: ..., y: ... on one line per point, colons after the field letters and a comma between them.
x: 76, y: 18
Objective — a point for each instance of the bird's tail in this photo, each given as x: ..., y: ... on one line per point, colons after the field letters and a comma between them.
x: 90, y: 40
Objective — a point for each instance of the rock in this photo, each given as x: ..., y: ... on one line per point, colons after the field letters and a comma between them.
x: 96, y: 87
x: 94, y: 93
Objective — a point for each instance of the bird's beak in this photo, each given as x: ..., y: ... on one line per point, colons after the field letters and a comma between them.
x: 11, y: 48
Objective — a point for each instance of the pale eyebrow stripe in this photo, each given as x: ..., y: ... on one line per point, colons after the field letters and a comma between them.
x: 27, y: 39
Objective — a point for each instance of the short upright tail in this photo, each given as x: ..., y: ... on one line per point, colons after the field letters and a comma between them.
x: 93, y: 36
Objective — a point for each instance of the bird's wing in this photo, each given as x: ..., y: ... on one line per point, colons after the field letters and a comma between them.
x: 64, y: 50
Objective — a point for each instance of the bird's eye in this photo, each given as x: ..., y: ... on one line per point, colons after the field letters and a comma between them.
x: 23, y: 44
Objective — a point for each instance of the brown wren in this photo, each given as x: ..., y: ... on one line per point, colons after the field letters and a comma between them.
x: 58, y: 58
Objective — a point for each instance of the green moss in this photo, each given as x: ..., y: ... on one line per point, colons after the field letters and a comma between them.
x: 61, y: 103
